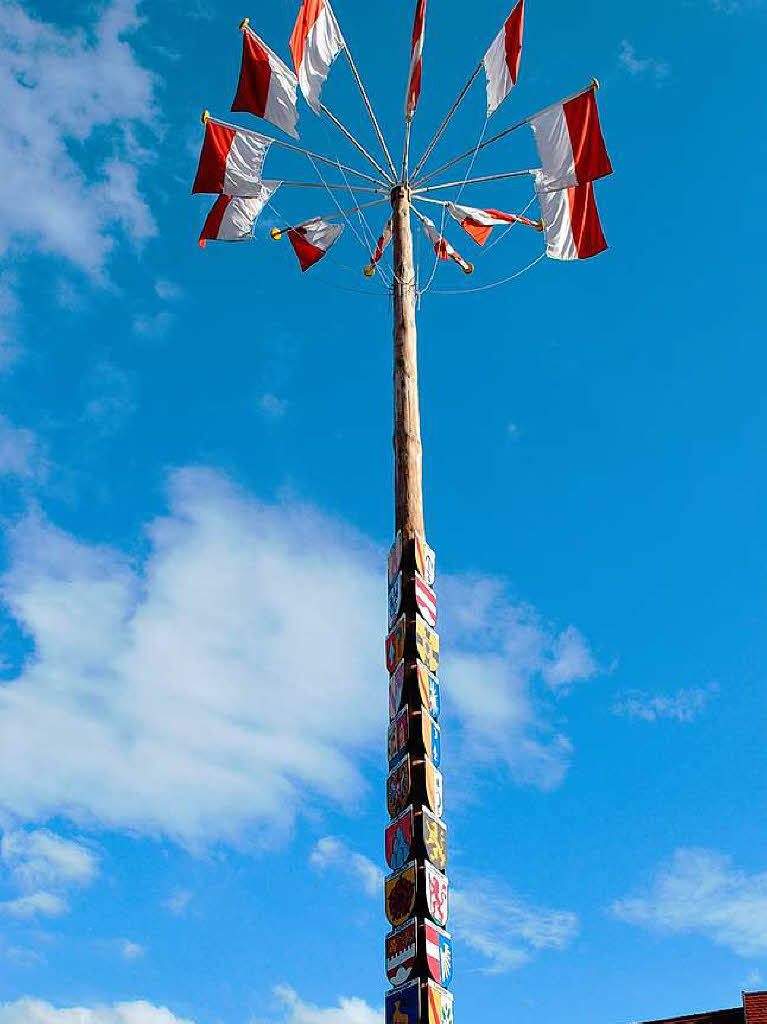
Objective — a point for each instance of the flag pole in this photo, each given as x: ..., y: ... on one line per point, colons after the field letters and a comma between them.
x: 277, y: 233
x: 371, y: 113
x: 345, y: 131
x: 472, y: 181
x: 447, y: 120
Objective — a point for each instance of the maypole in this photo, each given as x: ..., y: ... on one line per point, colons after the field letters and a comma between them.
x: 418, y: 949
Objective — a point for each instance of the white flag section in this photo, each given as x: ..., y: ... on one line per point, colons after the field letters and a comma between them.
x: 502, y: 59
x: 416, y: 59
x: 443, y: 248
x: 231, y: 160
x: 233, y: 218
x: 381, y: 245
x: 570, y: 143
x: 479, y: 223
x: 312, y: 240
x: 571, y: 222
x: 315, y: 43
x: 267, y: 87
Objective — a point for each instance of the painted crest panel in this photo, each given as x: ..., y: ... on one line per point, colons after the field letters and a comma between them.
x: 429, y: 687
x: 432, y: 739
x: 398, y: 787
x: 439, y: 953
x: 427, y: 644
x: 425, y: 560
x: 398, y: 839
x: 395, y: 645
x: 395, y: 598
x: 396, y: 686
x: 403, y: 1005
x: 440, y: 1005
x: 434, y: 788
x: 426, y: 600
x: 395, y: 556
x: 436, y: 894
x: 434, y: 839
x: 399, y: 894
x: 401, y: 951
x: 399, y: 734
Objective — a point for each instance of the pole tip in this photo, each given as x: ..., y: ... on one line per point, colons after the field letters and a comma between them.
x: 369, y: 270
x: 595, y: 83
x: 275, y: 234
x: 469, y: 268
x: 204, y: 116
x: 244, y: 23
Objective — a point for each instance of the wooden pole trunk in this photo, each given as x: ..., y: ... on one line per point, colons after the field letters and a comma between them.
x: 408, y: 493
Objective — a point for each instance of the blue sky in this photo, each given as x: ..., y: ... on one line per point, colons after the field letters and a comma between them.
x: 197, y: 504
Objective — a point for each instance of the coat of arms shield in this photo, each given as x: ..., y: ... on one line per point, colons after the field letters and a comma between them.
x: 399, y: 894
x: 395, y: 598
x: 398, y: 840
x: 434, y: 788
x: 440, y: 1005
x: 403, y: 1005
x: 395, y: 556
x: 398, y: 787
x: 396, y: 686
x: 432, y: 740
x: 401, y: 952
x: 395, y: 645
x: 439, y: 953
x: 426, y: 600
x: 434, y: 839
x: 425, y: 560
x: 427, y: 644
x: 436, y: 894
x: 399, y: 734
x: 429, y: 687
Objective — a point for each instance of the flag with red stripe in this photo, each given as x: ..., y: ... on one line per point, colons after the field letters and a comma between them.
x: 312, y: 240
x: 570, y: 143
x: 571, y: 223
x: 442, y: 247
x: 479, y: 223
x: 501, y: 62
x: 315, y: 43
x: 231, y: 160
x: 416, y: 54
x: 267, y: 87
x: 381, y: 245
x: 232, y: 218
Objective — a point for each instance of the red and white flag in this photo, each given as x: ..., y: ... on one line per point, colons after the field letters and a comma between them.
x: 267, y: 87
x: 479, y: 223
x: 315, y: 43
x: 381, y: 245
x: 416, y: 54
x: 571, y: 223
x: 231, y: 160
x: 443, y: 248
x: 312, y: 240
x: 426, y: 600
x: 570, y: 143
x: 502, y: 59
x: 232, y: 218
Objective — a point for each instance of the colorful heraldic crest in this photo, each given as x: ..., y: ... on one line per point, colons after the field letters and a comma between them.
x: 398, y: 787
x: 439, y: 953
x: 429, y: 687
x: 434, y: 839
x: 403, y: 1005
x: 398, y: 840
x: 436, y: 894
x: 399, y: 733
x: 434, y: 788
x: 396, y: 686
x: 426, y: 600
x: 395, y: 645
x: 399, y: 891
x: 425, y: 560
x: 395, y: 598
x: 427, y: 644
x: 432, y: 741
x: 440, y: 1005
x: 401, y: 952
x: 395, y: 557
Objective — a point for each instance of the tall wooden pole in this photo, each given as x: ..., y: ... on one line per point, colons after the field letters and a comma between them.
x: 408, y: 493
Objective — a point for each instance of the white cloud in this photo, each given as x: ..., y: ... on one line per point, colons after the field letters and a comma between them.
x: 701, y: 892
x: 178, y: 902
x: 195, y: 693
x: 349, y: 1010
x: 44, y: 904
x: 650, y: 66
x: 167, y: 290
x: 130, y: 950
x: 35, y: 1011
x: 113, y: 397
x: 153, y: 325
x: 20, y: 453
x: 272, y: 406
x: 330, y: 852
x: 684, y: 706
x: 41, y: 859
x: 66, y: 97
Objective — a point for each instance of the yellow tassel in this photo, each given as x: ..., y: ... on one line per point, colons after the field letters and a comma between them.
x: 369, y: 270
x: 244, y: 23
x: 204, y: 116
x: 469, y: 268
x: 276, y: 234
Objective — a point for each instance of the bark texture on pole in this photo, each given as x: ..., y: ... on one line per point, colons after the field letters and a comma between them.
x: 408, y: 492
